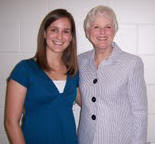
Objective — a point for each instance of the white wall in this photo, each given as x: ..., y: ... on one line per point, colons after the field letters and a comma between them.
x: 20, y: 20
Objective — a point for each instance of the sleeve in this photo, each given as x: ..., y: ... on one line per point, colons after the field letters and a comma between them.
x: 19, y: 74
x: 138, y: 99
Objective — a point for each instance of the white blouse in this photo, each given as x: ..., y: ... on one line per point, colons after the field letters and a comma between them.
x: 60, y: 84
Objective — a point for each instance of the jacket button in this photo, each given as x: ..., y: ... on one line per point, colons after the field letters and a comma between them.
x: 93, y: 117
x: 95, y: 81
x: 93, y: 99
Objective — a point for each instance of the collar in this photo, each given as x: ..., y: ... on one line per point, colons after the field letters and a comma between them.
x: 111, y: 59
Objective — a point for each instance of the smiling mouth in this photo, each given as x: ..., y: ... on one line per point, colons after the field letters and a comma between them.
x: 58, y: 43
x: 102, y: 38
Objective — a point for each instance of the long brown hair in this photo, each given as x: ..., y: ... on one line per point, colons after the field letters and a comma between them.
x: 69, y: 56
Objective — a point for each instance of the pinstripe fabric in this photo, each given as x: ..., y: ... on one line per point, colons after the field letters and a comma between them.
x: 121, y: 104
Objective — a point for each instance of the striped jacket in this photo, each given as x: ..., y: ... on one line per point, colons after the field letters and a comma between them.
x: 114, y: 103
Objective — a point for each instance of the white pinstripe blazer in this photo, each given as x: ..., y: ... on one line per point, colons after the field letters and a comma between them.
x: 120, y: 105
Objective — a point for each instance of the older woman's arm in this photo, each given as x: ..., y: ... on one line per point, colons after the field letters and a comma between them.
x: 13, y: 111
x: 138, y: 99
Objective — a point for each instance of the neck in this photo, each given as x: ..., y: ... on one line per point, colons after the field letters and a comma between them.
x: 102, y: 55
x: 54, y: 59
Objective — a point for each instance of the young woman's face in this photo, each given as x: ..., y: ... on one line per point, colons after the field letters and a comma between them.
x: 101, y: 32
x: 58, y: 35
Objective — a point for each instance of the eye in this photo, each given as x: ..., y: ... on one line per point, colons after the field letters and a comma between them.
x: 108, y: 27
x: 67, y: 31
x: 53, y: 30
x: 95, y: 27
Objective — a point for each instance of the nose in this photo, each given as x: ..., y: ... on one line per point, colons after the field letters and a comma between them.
x: 102, y: 30
x: 59, y: 35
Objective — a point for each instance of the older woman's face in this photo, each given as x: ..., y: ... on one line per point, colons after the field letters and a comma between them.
x: 101, y: 32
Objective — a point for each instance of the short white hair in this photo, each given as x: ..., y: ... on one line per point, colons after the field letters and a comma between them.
x: 100, y: 11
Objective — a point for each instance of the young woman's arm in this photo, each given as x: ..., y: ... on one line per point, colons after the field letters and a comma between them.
x: 78, y: 97
x: 15, y: 97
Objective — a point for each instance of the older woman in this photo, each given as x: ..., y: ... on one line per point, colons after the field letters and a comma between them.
x: 113, y: 90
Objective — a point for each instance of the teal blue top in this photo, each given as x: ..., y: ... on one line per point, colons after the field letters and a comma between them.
x: 48, y: 116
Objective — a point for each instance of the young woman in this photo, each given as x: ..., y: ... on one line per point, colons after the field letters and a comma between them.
x: 42, y: 89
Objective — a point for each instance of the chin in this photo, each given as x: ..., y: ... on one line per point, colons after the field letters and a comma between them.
x: 59, y: 51
x: 102, y: 47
